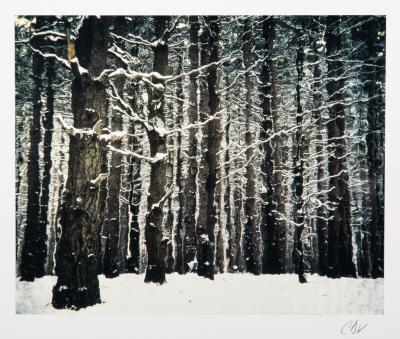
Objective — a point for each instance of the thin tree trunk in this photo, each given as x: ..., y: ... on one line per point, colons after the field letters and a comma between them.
x: 111, y: 258
x: 189, y: 241
x: 251, y: 232
x: 47, y: 164
x: 32, y: 259
x: 298, y: 251
x: 179, y: 230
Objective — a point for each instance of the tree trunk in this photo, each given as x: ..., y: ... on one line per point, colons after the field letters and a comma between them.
x: 47, y: 163
x: 111, y: 258
x: 321, y: 225
x: 155, y: 271
x: 179, y: 230
x: 189, y: 241
x: 374, y: 141
x: 209, y: 101
x: 298, y: 251
x: 251, y: 232
x: 272, y: 232
x: 32, y: 259
x: 340, y: 251
x: 77, y: 251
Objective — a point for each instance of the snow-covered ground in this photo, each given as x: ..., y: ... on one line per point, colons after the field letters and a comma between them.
x: 227, y: 294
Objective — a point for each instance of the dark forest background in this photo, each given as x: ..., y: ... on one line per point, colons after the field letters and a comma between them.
x: 201, y: 144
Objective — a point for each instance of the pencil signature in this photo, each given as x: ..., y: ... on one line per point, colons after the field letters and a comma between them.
x: 352, y: 327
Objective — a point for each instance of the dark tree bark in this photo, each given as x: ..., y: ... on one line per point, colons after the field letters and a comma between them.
x: 179, y: 230
x: 77, y: 251
x: 134, y: 177
x: 251, y: 244
x: 374, y: 70
x: 298, y: 251
x: 340, y: 250
x: 227, y: 194
x: 111, y: 258
x: 47, y: 164
x: 189, y: 241
x: 209, y: 101
x: 135, y: 195
x: 272, y: 232
x: 321, y: 225
x: 32, y: 258
x: 155, y: 271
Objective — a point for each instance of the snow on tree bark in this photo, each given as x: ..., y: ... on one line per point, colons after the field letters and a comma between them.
x: 77, y: 251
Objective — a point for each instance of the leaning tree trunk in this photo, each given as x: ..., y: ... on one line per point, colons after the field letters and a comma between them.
x: 251, y: 232
x: 340, y: 250
x: 209, y: 101
x: 32, y: 259
x: 155, y: 271
x: 189, y: 242
x: 77, y: 251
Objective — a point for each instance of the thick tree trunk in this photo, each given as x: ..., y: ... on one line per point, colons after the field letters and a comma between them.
x: 32, y: 258
x: 189, y: 241
x: 209, y: 101
x: 155, y: 271
x: 77, y: 251
x: 340, y: 250
x: 251, y: 231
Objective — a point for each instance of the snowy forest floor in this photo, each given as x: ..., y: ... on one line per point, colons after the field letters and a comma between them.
x: 227, y: 294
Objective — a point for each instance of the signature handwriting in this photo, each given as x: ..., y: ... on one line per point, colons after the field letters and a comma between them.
x: 352, y: 327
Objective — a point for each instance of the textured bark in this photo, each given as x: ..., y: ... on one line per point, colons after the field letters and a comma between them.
x: 179, y: 230
x: 168, y: 218
x: 155, y: 271
x: 77, y: 251
x: 112, y: 259
x: 321, y: 225
x: 135, y: 187
x: 298, y: 251
x: 227, y: 194
x: 237, y: 261
x: 32, y: 259
x: 133, y: 262
x: 47, y: 164
x: 272, y: 232
x: 251, y: 231
x: 209, y: 101
x: 189, y: 241
x: 375, y: 145
x: 340, y: 251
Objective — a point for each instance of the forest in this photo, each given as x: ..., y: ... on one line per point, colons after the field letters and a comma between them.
x: 197, y: 145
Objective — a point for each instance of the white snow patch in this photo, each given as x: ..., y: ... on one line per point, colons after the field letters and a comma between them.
x: 227, y: 294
